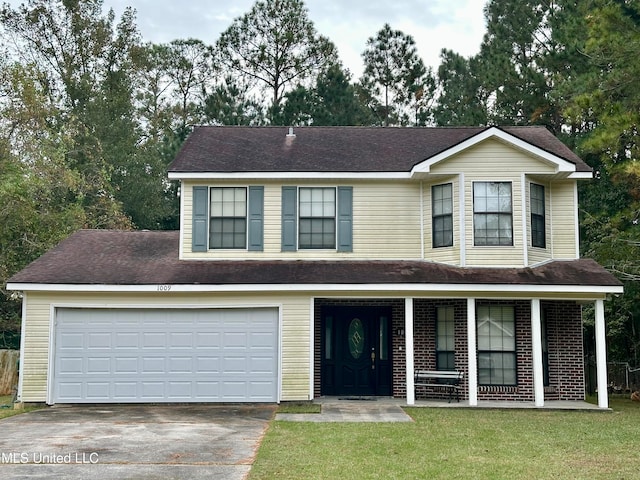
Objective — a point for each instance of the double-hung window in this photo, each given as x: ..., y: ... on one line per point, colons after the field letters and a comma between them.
x: 445, y: 338
x: 496, y: 345
x: 228, y: 223
x: 317, y: 223
x: 442, y: 213
x: 538, y: 237
x: 492, y: 213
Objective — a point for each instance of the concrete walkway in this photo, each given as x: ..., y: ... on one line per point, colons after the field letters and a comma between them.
x: 373, y: 409
x: 387, y: 409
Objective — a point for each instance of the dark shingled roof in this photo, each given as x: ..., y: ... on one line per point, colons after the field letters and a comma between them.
x: 110, y: 257
x: 337, y: 149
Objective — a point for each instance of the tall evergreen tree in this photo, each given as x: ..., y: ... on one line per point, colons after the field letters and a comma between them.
x: 394, y: 73
x: 276, y: 46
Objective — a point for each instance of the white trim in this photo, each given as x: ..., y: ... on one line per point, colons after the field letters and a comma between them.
x: 601, y: 355
x: 551, y: 243
x: 23, y: 336
x: 462, y: 224
x: 289, y: 175
x: 409, y: 355
x: 536, y: 350
x: 561, y: 164
x: 523, y: 210
x: 472, y: 359
x: 422, y: 252
x: 51, y: 356
x: 581, y: 176
x: 312, y: 347
x: 182, y: 219
x: 599, y: 291
x: 576, y: 222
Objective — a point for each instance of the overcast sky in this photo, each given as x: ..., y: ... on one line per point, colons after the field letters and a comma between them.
x: 434, y: 24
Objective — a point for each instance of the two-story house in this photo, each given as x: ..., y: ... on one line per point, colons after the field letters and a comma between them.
x: 322, y: 261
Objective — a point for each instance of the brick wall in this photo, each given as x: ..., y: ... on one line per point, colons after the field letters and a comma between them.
x: 564, y: 333
x: 566, y: 357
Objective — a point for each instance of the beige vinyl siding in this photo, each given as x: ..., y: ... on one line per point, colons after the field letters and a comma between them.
x: 295, y: 335
x: 493, y: 161
x: 563, y: 219
x: 386, y: 222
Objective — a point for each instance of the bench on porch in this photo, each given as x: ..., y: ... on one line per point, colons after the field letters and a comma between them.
x: 448, y: 380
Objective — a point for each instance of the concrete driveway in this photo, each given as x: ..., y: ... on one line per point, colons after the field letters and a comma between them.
x: 133, y: 441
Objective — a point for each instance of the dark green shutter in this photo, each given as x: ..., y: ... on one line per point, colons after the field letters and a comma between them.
x: 345, y: 219
x: 199, y: 232
x: 289, y: 218
x: 256, y: 219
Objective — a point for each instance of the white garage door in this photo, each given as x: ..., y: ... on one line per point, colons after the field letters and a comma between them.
x: 165, y: 355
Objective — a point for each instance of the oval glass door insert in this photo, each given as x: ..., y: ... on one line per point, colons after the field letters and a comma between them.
x: 356, y: 338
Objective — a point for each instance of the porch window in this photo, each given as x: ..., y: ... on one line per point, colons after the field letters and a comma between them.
x: 538, y: 237
x: 496, y: 345
x: 445, y: 338
x: 228, y: 225
x: 442, y: 213
x: 317, y: 218
x: 492, y: 214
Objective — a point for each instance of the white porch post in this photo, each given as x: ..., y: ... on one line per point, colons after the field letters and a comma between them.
x: 472, y: 359
x: 601, y: 356
x: 408, y: 336
x: 536, y: 346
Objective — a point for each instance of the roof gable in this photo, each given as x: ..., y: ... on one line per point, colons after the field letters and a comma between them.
x: 237, y: 152
x: 560, y: 165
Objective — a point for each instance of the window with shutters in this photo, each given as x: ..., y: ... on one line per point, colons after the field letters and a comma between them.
x: 228, y: 218
x: 317, y: 218
x: 317, y: 223
x: 228, y: 224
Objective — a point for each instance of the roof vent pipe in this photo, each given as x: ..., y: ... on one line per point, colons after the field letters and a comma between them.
x: 291, y: 134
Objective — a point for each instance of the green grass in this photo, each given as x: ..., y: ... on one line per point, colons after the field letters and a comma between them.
x: 299, y: 407
x: 5, y: 400
x: 459, y: 443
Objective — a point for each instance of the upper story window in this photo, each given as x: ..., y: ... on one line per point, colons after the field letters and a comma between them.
x: 538, y: 235
x: 442, y: 213
x: 228, y: 223
x: 492, y: 213
x: 317, y: 223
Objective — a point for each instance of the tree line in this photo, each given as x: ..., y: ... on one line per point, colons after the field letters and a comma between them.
x: 91, y: 114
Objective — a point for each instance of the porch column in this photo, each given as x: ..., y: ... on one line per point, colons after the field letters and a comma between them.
x: 601, y: 356
x: 536, y: 347
x: 408, y: 336
x: 472, y: 359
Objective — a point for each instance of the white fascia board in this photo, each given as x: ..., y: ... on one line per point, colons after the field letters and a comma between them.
x: 561, y: 164
x: 471, y: 289
x: 289, y: 175
x: 581, y: 175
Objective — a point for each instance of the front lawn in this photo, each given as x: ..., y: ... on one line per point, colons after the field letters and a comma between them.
x: 6, y: 407
x: 459, y: 443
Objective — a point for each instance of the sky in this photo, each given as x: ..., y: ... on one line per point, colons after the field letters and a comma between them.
x: 434, y: 24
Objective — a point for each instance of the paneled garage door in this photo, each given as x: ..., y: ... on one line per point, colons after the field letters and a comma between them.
x: 165, y: 355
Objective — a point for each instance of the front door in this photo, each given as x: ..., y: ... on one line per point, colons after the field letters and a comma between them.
x: 356, y: 351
